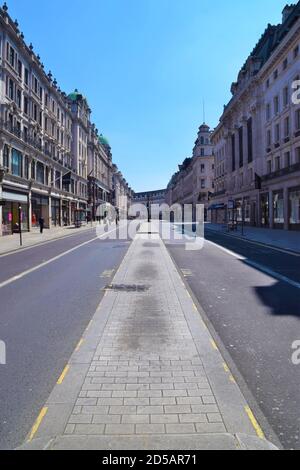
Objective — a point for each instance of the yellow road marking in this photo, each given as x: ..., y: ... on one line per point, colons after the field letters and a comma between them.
x: 37, y: 424
x: 63, y: 375
x: 227, y: 370
x: 214, y: 345
x: 254, y: 423
x: 79, y: 345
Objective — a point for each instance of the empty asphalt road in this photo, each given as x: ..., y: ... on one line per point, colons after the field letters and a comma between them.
x: 48, y: 295
x: 250, y: 294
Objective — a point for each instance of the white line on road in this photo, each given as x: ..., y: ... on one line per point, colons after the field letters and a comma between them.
x: 258, y: 266
x: 229, y: 252
x: 35, y: 268
x: 45, y: 242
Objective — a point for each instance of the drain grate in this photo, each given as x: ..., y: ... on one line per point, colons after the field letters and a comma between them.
x: 127, y: 288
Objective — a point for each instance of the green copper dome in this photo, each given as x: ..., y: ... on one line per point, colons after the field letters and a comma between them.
x: 103, y: 140
x: 75, y: 96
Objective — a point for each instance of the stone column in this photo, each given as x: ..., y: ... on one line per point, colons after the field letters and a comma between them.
x: 50, y: 211
x: 259, y: 210
x: 271, y: 209
x: 1, y: 180
x: 286, y: 203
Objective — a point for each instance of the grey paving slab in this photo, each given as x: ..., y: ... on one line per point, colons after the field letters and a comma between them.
x: 148, y: 374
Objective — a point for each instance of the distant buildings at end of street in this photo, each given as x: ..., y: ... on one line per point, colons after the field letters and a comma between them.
x: 152, y: 197
x: 194, y: 181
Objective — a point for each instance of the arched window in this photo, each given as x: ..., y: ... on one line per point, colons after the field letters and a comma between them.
x: 202, y: 140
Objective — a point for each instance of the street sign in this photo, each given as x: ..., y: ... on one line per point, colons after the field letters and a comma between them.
x: 231, y: 205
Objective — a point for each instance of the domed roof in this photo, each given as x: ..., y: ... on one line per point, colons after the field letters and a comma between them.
x: 75, y: 96
x: 204, y: 127
x: 104, y: 141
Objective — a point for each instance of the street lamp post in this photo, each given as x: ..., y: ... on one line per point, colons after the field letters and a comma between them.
x: 20, y: 225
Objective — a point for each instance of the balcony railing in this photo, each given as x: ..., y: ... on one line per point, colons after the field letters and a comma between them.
x: 35, y: 143
x: 282, y: 172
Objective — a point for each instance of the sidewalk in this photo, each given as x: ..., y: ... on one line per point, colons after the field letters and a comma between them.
x: 11, y: 243
x: 283, y: 239
x: 147, y: 373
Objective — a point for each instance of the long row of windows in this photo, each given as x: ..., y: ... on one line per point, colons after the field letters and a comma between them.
x: 19, y: 165
x: 280, y: 103
x: 241, y: 146
x: 23, y: 74
x: 282, y: 129
x: 283, y: 161
x: 294, y: 55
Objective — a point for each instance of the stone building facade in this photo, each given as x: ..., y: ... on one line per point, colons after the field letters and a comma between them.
x: 49, y: 150
x: 194, y: 182
x: 122, y: 193
x: 257, y: 142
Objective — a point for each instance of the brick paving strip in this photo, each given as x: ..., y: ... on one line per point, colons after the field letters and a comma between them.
x: 147, y: 374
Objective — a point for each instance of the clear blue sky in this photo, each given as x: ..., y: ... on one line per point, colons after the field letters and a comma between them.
x: 146, y: 66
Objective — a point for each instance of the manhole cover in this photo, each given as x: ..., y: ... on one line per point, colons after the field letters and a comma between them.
x: 127, y: 288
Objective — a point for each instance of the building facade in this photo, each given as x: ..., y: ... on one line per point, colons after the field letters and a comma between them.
x: 122, y: 193
x: 194, y: 182
x: 53, y: 164
x: 257, y: 142
x: 100, y: 170
x: 151, y: 198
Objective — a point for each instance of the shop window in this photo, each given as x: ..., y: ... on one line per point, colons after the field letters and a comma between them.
x: 278, y: 208
x: 294, y: 200
x: 16, y: 163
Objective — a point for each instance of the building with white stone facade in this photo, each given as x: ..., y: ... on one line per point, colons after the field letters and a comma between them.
x: 49, y: 150
x: 122, y: 194
x: 194, y: 182
x: 100, y: 171
x: 257, y: 142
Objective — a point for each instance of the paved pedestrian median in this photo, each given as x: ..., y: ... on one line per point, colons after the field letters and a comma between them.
x: 147, y: 373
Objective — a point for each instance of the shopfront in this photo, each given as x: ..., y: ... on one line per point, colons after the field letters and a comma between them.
x: 39, y: 209
x: 294, y: 208
x: 73, y: 211
x: 264, y: 208
x: 278, y: 209
x: 65, y: 213
x: 55, y: 212
x: 15, y: 208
